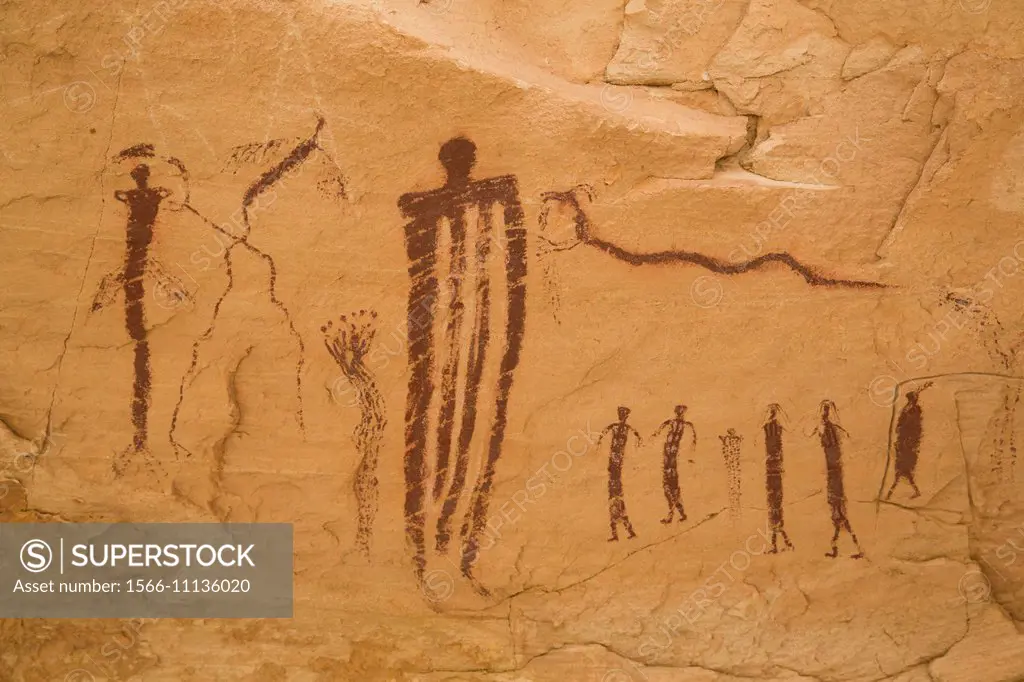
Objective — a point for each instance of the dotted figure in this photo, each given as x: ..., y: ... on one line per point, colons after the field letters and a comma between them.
x: 731, y: 453
x: 992, y: 335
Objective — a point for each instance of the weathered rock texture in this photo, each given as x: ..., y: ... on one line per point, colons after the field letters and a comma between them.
x: 726, y: 204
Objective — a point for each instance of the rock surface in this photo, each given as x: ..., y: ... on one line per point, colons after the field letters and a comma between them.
x: 726, y: 204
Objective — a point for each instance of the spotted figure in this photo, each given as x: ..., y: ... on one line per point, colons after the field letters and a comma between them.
x: 620, y: 431
x: 670, y: 461
x: 731, y: 453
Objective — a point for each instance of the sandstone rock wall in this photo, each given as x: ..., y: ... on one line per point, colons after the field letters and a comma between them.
x: 722, y: 204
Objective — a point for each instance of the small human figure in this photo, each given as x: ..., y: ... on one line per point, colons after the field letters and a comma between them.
x: 908, y: 442
x: 670, y: 462
x: 773, y: 475
x: 731, y: 452
x: 620, y: 431
x: 828, y: 431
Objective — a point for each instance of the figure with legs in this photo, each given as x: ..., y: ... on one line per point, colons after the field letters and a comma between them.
x: 620, y: 431
x: 476, y: 339
x: 773, y: 475
x: 829, y: 432
x: 908, y: 442
x: 143, y: 203
x: 670, y: 461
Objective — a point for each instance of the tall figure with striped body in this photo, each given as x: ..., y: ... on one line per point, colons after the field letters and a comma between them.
x: 449, y: 363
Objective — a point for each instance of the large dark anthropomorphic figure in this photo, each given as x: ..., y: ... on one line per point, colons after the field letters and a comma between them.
x: 143, y: 203
x: 908, y: 442
x: 449, y: 238
x: 620, y: 431
x: 670, y: 462
x: 829, y: 432
x: 773, y: 475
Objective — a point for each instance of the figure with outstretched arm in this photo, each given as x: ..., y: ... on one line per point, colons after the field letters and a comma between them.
x: 670, y: 461
x: 143, y: 202
x: 619, y: 431
x: 908, y: 442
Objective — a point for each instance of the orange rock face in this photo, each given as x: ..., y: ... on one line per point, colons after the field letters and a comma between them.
x: 673, y: 340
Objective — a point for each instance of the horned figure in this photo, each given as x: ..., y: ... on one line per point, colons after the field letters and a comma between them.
x: 448, y: 373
